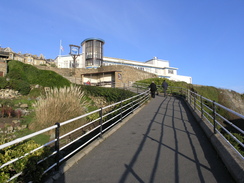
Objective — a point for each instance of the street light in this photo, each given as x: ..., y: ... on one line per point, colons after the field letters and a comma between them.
x: 74, y: 52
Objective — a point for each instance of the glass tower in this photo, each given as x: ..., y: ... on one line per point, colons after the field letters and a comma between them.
x: 92, y: 52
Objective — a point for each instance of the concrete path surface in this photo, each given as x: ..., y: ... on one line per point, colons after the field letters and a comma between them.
x: 162, y: 143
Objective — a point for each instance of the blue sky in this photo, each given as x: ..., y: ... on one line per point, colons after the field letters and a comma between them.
x: 203, y: 38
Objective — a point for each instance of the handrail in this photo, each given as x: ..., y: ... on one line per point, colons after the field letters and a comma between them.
x: 210, y: 114
x: 116, y: 113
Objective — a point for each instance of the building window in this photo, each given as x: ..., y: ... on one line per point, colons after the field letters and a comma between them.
x: 89, y: 49
x: 170, y: 72
x: 93, y: 53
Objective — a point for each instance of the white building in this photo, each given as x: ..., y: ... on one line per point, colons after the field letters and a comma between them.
x: 93, y: 60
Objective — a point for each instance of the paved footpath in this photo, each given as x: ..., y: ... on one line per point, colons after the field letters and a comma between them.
x: 162, y: 143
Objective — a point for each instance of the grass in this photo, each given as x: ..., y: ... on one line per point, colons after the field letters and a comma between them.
x: 58, y: 105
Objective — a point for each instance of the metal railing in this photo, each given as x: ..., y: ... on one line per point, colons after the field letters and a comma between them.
x: 103, y: 119
x: 66, y: 144
x: 216, y: 115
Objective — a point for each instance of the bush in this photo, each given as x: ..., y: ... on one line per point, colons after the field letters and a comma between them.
x: 51, y: 79
x: 36, y: 92
x: 240, y: 137
x: 3, y: 83
x: 19, y: 85
x: 27, y: 165
x: 20, y: 71
x: 110, y: 94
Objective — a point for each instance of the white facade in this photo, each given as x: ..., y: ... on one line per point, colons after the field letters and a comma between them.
x: 156, y: 66
x: 66, y: 61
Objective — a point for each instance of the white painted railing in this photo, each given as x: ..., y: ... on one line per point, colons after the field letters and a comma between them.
x: 64, y: 146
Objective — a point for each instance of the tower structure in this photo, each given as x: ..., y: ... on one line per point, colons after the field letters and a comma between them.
x: 92, y: 52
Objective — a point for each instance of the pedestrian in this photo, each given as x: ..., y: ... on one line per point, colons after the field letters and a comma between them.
x: 165, y: 86
x: 88, y: 83
x: 153, y: 89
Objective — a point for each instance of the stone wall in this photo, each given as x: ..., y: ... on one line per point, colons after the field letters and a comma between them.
x: 8, y: 93
x: 128, y: 74
x: 3, y: 68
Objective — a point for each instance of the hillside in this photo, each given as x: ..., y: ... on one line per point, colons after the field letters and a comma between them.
x: 227, y: 98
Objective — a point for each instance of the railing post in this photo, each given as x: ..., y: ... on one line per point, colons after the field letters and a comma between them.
x: 121, y: 110
x: 214, y: 116
x: 101, y: 122
x: 57, y: 130
x: 194, y: 95
x: 137, y: 88
x: 187, y: 93
x: 201, y: 107
x: 190, y: 97
x: 132, y: 107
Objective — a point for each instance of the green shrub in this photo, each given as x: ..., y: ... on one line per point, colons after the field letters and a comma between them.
x: 51, y: 79
x: 240, y: 137
x: 3, y: 82
x: 27, y: 165
x: 36, y: 92
x: 6, y: 102
x: 19, y: 85
x: 20, y: 71
x: 110, y: 94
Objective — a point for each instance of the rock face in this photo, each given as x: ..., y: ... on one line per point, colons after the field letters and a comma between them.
x: 8, y: 93
x: 233, y: 100
x: 12, y: 123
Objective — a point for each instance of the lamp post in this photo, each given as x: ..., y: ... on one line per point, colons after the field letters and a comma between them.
x: 74, y: 52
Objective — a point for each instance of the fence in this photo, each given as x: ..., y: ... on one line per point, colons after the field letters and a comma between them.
x: 210, y: 111
x: 67, y: 143
x: 216, y: 115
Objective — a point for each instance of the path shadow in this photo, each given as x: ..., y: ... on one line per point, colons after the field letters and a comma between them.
x: 177, y: 105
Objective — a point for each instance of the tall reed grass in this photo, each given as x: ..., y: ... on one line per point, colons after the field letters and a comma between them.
x: 58, y: 105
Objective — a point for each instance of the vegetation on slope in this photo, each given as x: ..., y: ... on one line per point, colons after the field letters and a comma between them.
x: 64, y: 101
x: 230, y: 99
x: 20, y: 72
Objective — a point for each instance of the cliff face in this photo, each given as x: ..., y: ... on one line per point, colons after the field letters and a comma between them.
x: 232, y: 100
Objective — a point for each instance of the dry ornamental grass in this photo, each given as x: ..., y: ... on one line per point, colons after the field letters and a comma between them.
x: 58, y: 105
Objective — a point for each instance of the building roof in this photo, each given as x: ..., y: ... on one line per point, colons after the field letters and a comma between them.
x: 131, y: 62
x: 101, y: 72
x: 92, y: 38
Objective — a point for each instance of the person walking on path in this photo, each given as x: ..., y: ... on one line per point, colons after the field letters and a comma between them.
x: 153, y: 89
x: 165, y: 86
